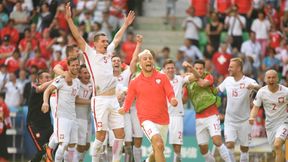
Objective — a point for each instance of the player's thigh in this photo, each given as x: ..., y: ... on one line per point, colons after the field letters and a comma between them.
x: 64, y: 129
x: 244, y: 134
x: 230, y: 132
x: 100, y: 113
x: 202, y: 132
x: 82, y: 131
x: 176, y: 130
x: 136, y: 126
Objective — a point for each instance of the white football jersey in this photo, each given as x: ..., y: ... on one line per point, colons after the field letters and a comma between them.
x: 100, y: 68
x: 238, y: 98
x: 275, y: 105
x: 177, y: 84
x: 66, y: 96
x: 85, y: 92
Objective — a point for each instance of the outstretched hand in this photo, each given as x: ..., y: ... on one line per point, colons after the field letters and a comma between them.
x: 130, y: 18
x: 68, y: 13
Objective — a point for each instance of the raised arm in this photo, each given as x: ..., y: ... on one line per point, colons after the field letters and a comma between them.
x: 47, y: 92
x: 74, y: 30
x: 128, y: 20
x: 43, y: 87
x: 133, y: 63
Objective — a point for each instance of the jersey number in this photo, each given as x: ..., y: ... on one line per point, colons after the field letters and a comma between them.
x: 234, y: 93
x: 274, y: 106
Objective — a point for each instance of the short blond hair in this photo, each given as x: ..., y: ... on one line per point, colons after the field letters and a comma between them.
x: 238, y: 60
x: 145, y: 52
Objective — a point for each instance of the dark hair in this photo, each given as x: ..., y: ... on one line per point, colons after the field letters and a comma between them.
x: 39, y: 75
x: 82, y: 66
x: 166, y: 49
x: 72, y: 59
x: 202, y: 62
x: 168, y: 61
x: 97, y: 35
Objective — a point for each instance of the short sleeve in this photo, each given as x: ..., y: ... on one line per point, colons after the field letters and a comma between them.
x: 58, y: 82
x: 258, y: 99
x: 222, y: 86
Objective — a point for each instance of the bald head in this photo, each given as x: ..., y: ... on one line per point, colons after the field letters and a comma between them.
x: 271, y: 77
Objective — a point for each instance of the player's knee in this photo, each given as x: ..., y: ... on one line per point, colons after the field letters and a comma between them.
x: 81, y: 148
x: 137, y: 142
x: 277, y: 145
x: 244, y: 148
x: 217, y: 141
x: 87, y: 146
x: 159, y: 146
x: 203, y: 149
x: 101, y: 135
x: 230, y: 145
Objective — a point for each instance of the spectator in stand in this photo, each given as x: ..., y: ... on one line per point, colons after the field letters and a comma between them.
x: 10, y: 30
x: 128, y: 47
x: 57, y: 59
x: 24, y: 43
x: 45, y: 45
x: 106, y: 25
x: 34, y: 33
x: 20, y: 16
x: 31, y: 81
x: 275, y: 37
x: 13, y: 93
x: 213, y: 30
x: 257, y: 5
x: 235, y: 24
x: 284, y: 24
x: 270, y: 61
x: 45, y: 17
x: 163, y: 55
x: 283, y: 57
x: 272, y: 14
x: 192, y: 26
x: 60, y: 18
x: 209, y: 51
x: 6, y: 49
x: 3, y: 16
x: 171, y: 13
x: 245, y: 7
x: 22, y: 79
x: 3, y: 77
x: 221, y: 60
x: 191, y: 52
x: 180, y: 58
x: 222, y: 7
x: 5, y: 123
x: 261, y: 27
x: 252, y: 49
x: 201, y: 8
x: 13, y: 62
x: 118, y: 9
x: 37, y: 61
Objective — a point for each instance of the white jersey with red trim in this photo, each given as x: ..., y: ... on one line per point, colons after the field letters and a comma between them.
x: 238, y: 98
x: 66, y: 95
x: 275, y: 105
x: 123, y: 80
x: 177, y: 83
x: 85, y: 92
x: 100, y: 68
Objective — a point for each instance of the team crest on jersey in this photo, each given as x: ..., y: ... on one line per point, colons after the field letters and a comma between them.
x: 158, y: 81
x: 120, y: 78
x: 281, y: 99
x: 242, y: 85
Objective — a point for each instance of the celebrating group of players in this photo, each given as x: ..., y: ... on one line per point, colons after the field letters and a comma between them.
x: 150, y: 103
